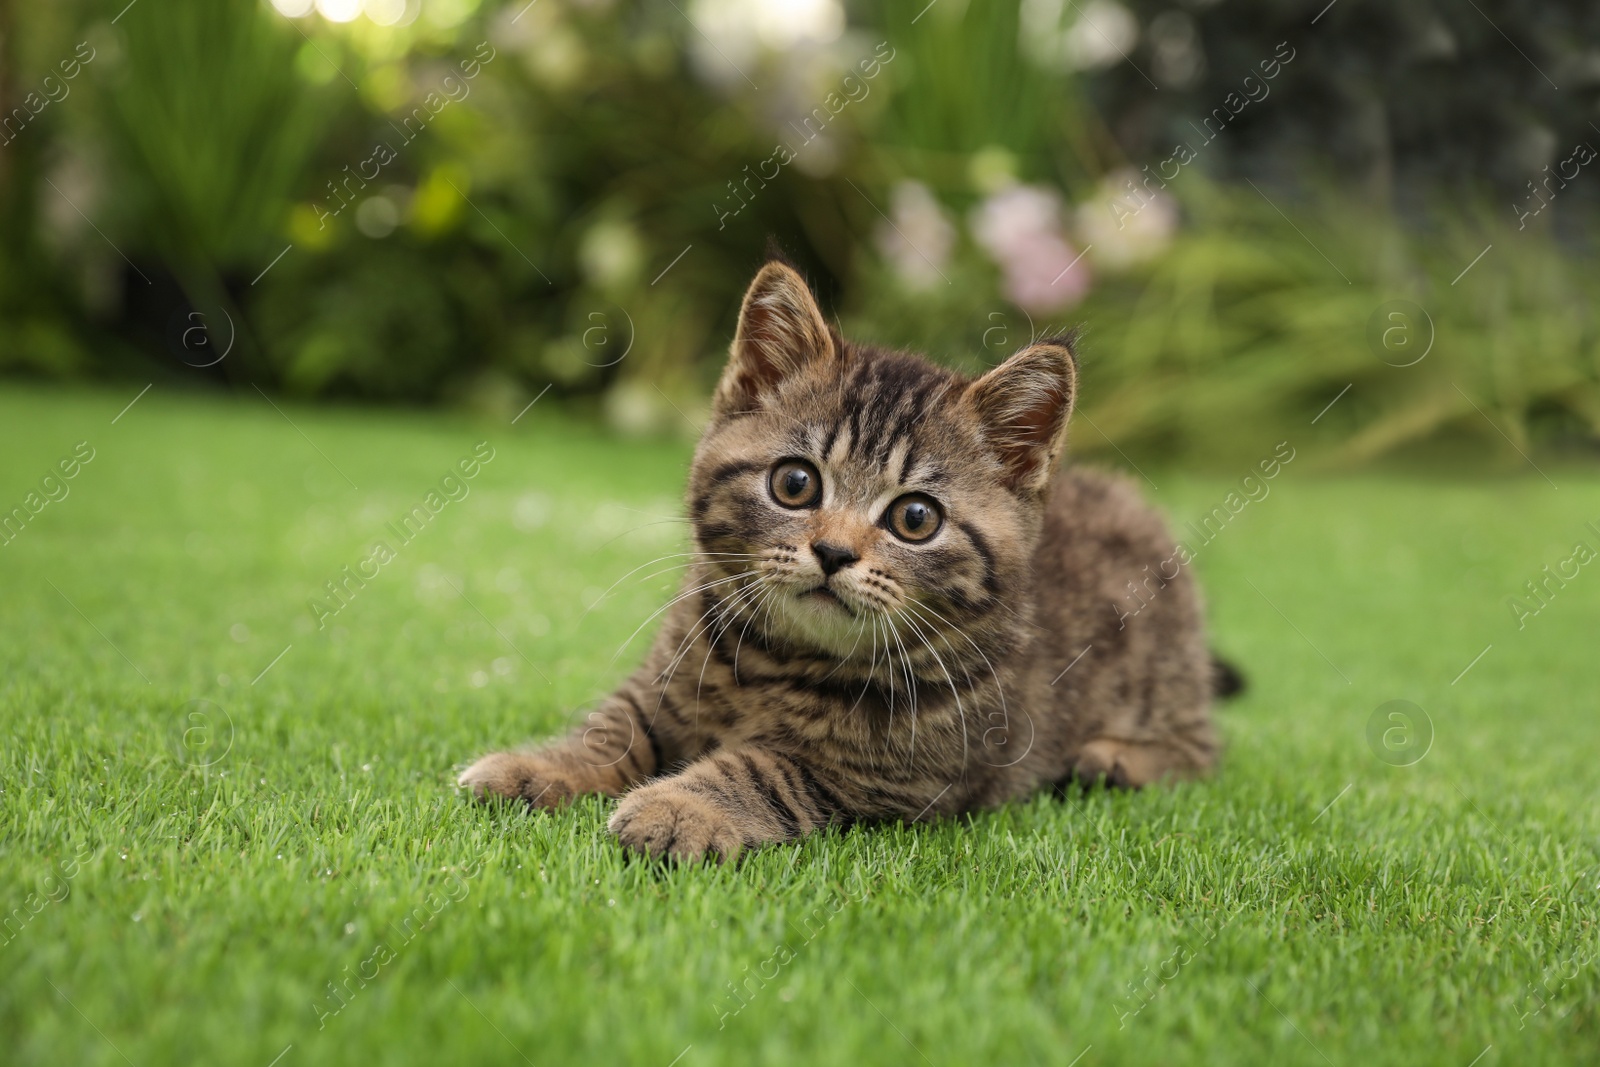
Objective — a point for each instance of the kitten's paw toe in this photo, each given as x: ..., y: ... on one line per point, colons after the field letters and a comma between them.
x: 517, y: 776
x: 659, y: 822
x: 1133, y: 764
x: 1103, y: 760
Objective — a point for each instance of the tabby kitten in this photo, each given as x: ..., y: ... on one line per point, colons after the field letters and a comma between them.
x: 895, y: 608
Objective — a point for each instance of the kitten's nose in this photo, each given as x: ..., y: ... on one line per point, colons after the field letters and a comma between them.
x: 832, y: 557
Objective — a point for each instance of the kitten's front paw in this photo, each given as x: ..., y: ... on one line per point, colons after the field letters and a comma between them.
x: 667, y: 820
x: 519, y: 776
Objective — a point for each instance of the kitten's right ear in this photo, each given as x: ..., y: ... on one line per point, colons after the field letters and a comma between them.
x: 1023, y: 405
x: 781, y: 330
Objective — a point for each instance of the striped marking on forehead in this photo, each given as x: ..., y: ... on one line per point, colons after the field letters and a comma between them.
x: 874, y: 415
x: 836, y: 442
x: 889, y: 405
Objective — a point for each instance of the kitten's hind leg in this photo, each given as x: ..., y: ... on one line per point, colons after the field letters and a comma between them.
x: 1131, y: 764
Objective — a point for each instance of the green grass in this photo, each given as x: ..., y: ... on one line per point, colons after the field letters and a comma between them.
x: 1312, y: 904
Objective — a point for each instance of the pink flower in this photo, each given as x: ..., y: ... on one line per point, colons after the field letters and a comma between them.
x: 1020, y: 228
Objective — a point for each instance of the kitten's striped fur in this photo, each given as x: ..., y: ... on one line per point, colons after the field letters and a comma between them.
x: 930, y: 678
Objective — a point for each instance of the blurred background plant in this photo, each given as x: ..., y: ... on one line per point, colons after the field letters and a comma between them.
x: 1255, y: 208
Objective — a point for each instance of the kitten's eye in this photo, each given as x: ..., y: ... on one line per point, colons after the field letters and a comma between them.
x: 914, y: 517
x: 796, y: 484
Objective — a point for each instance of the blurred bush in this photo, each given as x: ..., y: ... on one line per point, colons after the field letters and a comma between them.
x: 459, y: 201
x: 1401, y: 102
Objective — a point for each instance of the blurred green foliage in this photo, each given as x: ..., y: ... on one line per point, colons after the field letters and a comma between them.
x: 479, y: 200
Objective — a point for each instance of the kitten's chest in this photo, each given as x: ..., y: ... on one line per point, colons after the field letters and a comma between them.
x: 864, y: 726
x: 723, y: 692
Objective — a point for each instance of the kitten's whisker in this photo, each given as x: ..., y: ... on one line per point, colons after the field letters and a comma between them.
x: 891, y: 677
x: 688, y: 556
x: 636, y: 529
x: 871, y: 675
x: 905, y: 667
x: 690, y: 559
x: 763, y: 601
x: 1000, y: 691
x: 949, y: 678
x: 760, y: 600
x: 911, y: 612
x: 664, y: 679
x: 726, y: 613
x: 668, y: 605
x: 847, y: 656
x: 652, y: 514
x: 888, y: 663
x: 911, y: 687
x: 760, y: 617
x: 708, y: 562
x: 694, y: 631
x: 739, y: 646
x: 731, y: 606
x: 999, y: 684
x: 765, y: 611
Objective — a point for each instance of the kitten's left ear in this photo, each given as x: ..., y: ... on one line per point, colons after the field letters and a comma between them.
x: 1023, y: 405
x: 781, y: 330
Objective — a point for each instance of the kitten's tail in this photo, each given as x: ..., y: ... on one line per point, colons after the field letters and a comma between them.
x: 1226, y: 679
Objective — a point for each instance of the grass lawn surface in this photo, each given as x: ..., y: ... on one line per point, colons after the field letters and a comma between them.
x: 229, y: 834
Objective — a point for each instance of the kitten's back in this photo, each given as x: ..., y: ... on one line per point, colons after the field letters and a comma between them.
x: 1119, y: 649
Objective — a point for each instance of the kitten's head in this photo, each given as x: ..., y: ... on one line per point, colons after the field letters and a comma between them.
x: 841, y: 490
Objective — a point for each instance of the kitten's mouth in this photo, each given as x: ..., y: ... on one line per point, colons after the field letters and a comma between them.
x: 823, y: 594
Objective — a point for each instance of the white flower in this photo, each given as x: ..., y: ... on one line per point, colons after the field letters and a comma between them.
x: 1101, y: 33
x: 918, y: 239
x: 1129, y: 220
x: 611, y: 253
x: 730, y: 34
